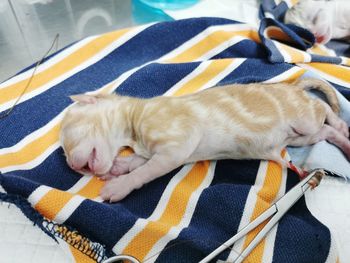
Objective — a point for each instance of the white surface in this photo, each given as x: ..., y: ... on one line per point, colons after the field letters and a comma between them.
x: 240, y: 10
x: 21, y: 241
x: 329, y: 203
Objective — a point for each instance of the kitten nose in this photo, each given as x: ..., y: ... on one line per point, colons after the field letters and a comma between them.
x: 72, y: 165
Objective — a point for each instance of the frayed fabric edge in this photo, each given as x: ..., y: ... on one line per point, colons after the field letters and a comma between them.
x: 71, y: 236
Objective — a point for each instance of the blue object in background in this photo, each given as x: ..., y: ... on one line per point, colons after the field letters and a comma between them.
x: 169, y: 4
x: 143, y: 13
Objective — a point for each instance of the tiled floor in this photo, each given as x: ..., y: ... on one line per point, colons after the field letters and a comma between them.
x: 28, y: 27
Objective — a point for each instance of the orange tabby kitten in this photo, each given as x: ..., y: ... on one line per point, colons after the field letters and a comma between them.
x: 254, y: 121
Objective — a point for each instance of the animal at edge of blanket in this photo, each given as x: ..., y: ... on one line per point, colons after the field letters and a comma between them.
x: 325, y: 19
x: 239, y: 121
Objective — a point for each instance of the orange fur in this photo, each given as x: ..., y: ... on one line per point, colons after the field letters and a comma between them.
x: 254, y: 121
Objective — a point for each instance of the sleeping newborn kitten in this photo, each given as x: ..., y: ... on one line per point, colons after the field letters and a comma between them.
x: 255, y: 121
x: 325, y: 19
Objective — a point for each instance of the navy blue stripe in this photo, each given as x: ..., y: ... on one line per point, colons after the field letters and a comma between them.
x: 155, y: 79
x: 149, y: 45
x: 54, y: 172
x: 244, y: 49
x: 136, y: 203
x: 344, y: 91
x: 216, y: 217
x: 101, y: 222
x: 254, y: 70
x: 17, y: 185
x: 112, y: 221
x: 326, y: 59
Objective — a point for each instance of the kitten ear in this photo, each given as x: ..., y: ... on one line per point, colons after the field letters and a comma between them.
x: 84, y: 98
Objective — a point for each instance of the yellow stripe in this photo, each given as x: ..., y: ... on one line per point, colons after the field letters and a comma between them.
x: 295, y: 76
x: 68, y: 63
x: 266, y: 196
x: 92, y: 189
x: 277, y: 33
x: 297, y: 56
x: 210, y: 42
x: 31, y: 150
x: 38, y: 146
x: 172, y: 215
x: 80, y: 257
x: 52, y: 203
x: 316, y: 49
x: 336, y: 71
x: 215, y: 67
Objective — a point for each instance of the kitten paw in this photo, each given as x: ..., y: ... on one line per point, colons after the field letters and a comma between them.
x: 120, y: 165
x: 117, y: 188
x: 107, y: 176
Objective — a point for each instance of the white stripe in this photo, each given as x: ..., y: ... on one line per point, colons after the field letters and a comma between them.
x: 269, y: 15
x: 158, y: 211
x: 214, y: 81
x: 289, y: 3
x: 37, y: 194
x: 249, y: 208
x: 193, y: 41
x: 97, y: 57
x: 285, y: 54
x: 98, y: 199
x: 307, y: 56
x: 185, y: 221
x: 224, y: 45
x: 329, y: 51
x: 2, y: 190
x: 201, y: 67
x: 33, y: 136
x: 344, y: 60
x: 83, y: 181
x: 283, y: 76
x: 287, y: 57
x: 48, y: 63
x: 68, y: 209
x: 31, y: 164
x: 327, y: 76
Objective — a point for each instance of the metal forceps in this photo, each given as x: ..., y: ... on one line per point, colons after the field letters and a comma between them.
x: 275, y: 212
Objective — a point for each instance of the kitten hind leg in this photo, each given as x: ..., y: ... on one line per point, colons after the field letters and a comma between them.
x: 337, y: 123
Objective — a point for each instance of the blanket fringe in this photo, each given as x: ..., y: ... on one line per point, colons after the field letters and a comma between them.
x: 71, y: 236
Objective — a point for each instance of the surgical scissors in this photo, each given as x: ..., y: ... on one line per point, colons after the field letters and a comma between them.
x: 275, y: 212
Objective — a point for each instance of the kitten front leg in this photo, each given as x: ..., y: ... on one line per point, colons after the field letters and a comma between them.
x: 123, y: 165
x: 119, y: 187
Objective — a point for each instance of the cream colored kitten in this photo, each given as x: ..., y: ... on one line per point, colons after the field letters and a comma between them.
x: 255, y: 121
x: 325, y: 19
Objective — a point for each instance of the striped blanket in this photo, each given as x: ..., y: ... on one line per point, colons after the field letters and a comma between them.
x: 184, y: 215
